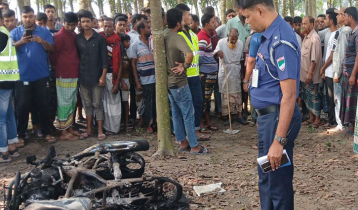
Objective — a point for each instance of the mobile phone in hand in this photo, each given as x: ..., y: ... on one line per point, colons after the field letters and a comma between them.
x: 29, y: 33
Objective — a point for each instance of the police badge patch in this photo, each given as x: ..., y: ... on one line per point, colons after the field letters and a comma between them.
x: 281, y: 63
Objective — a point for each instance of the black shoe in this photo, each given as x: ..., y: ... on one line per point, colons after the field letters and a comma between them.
x: 227, y: 122
x: 242, y: 121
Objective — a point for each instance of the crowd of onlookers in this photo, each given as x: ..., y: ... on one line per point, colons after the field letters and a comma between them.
x: 54, y: 69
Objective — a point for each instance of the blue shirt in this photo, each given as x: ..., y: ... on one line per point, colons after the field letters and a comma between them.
x: 287, y: 64
x: 255, y: 42
x: 32, y: 57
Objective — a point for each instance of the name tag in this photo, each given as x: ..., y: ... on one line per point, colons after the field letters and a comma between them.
x: 255, y: 78
x: 109, y: 48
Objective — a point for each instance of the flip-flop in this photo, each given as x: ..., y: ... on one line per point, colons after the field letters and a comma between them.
x: 306, y: 123
x: 205, y: 130
x: 69, y: 137
x: 315, y: 125
x: 202, y: 151
x: 212, y: 127
x: 20, y: 144
x: 50, y: 139
x: 184, y: 149
x: 85, y: 136
x: 14, y: 153
x: 202, y: 138
x: 101, y: 137
x: 5, y: 158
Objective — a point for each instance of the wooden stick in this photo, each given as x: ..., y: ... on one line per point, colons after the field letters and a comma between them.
x: 227, y: 93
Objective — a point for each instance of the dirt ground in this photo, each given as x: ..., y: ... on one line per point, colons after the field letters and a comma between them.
x: 325, y: 168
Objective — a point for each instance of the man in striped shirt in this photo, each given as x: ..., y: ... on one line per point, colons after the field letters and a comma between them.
x: 207, y: 64
x: 144, y: 72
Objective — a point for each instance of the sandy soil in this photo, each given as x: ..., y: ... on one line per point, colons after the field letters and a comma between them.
x: 325, y: 168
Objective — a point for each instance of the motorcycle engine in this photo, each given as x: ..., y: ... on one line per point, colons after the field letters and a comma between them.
x: 41, y: 185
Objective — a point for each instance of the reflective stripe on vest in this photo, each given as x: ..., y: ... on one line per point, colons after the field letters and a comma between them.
x: 9, y: 70
x: 193, y: 69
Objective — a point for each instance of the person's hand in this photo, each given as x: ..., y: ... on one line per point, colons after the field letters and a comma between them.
x: 37, y: 39
x: 322, y: 72
x: 124, y: 86
x: 115, y: 88
x: 220, y: 54
x: 335, y: 79
x: 308, y: 78
x: 25, y: 39
x: 246, y: 87
x: 139, y: 87
x: 178, y: 69
x: 352, y: 80
x: 102, y: 81
x: 275, y: 154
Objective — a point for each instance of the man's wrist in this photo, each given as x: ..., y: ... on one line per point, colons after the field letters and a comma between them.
x: 245, y: 81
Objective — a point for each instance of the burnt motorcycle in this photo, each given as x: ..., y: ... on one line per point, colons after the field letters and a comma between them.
x: 104, y: 176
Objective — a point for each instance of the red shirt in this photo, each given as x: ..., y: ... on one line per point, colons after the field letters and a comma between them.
x: 65, y: 59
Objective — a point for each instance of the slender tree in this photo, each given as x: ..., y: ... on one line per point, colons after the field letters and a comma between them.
x: 38, y: 5
x: 292, y: 9
x: 140, y: 4
x: 313, y: 8
x: 112, y: 6
x: 195, y: 2
x: 165, y: 144
x: 84, y: 4
x: 100, y: 7
x: 222, y: 11
x: 27, y: 3
x: 135, y: 6
x: 284, y: 8
x: 275, y: 2
x: 71, y: 5
x: 356, y: 3
x: 119, y: 6
x: 59, y: 9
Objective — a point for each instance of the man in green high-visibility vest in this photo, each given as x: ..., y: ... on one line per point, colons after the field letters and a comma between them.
x: 193, y: 70
x: 9, y: 73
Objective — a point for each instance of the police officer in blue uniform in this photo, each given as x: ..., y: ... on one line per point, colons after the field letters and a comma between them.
x: 274, y: 90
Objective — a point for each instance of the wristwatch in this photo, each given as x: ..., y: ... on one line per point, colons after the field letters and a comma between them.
x: 281, y: 140
x: 245, y: 82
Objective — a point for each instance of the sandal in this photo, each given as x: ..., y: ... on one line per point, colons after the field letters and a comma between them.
x: 101, y: 137
x: 306, y: 123
x: 4, y: 158
x: 205, y: 130
x: 14, y: 153
x: 202, y: 151
x: 327, y: 126
x: 315, y: 125
x: 85, y: 136
x: 184, y: 149
x: 212, y: 127
x: 20, y: 144
x: 203, y: 137
x: 69, y: 137
x: 50, y: 139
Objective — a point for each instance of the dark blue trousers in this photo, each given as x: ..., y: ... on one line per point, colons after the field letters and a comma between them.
x: 195, y: 89
x: 276, y: 190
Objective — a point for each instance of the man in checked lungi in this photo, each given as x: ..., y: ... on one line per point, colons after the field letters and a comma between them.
x: 311, y: 63
x: 66, y: 63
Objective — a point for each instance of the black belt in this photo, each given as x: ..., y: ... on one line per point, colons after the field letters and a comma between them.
x: 267, y: 110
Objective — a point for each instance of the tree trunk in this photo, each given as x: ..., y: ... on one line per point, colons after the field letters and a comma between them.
x: 195, y: 2
x: 59, y: 9
x: 356, y: 1
x: 84, y: 4
x: 55, y: 4
x: 112, y: 6
x: 275, y: 2
x: 292, y: 9
x: 135, y: 6
x: 125, y: 7
x: 222, y: 11
x: 64, y: 6
x: 313, y: 8
x: 140, y: 5
x: 90, y: 8
x: 350, y: 3
x: 119, y: 6
x: 165, y: 145
x: 38, y: 5
x: 100, y: 7
x: 178, y: 1
x: 284, y: 8
x: 71, y: 5
x: 307, y: 7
